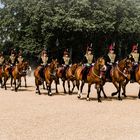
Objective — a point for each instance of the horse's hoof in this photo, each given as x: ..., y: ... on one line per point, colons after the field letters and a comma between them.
x: 50, y: 94
x: 99, y: 101
x: 88, y: 99
x: 124, y: 94
x: 113, y: 94
x: 120, y: 99
x: 79, y: 96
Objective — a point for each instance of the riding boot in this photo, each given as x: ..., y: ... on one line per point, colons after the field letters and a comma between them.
x: 41, y: 73
x: 85, y: 72
x: 64, y: 73
x: 108, y: 77
x: 132, y: 76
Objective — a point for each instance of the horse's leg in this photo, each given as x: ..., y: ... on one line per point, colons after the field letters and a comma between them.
x: 19, y: 83
x: 124, y: 88
x: 56, y: 86
x: 139, y: 93
x: 89, y: 87
x: 43, y: 85
x: 98, y: 92
x: 68, y: 81
x: 77, y: 84
x: 5, y: 80
x: 25, y: 81
x: 37, y: 86
x: 1, y: 82
x: 117, y: 87
x: 81, y: 89
x: 73, y: 83
x: 49, y: 90
x: 12, y: 83
x: 64, y: 86
x: 15, y: 84
x: 119, y: 97
x: 102, y: 89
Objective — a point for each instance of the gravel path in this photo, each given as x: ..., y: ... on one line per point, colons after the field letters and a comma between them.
x: 27, y: 116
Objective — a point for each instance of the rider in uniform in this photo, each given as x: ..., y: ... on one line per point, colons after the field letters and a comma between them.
x: 13, y: 58
x: 20, y: 57
x: 136, y: 57
x: 66, y: 62
x: 44, y: 62
x: 2, y: 60
x: 88, y: 61
x: 111, y: 59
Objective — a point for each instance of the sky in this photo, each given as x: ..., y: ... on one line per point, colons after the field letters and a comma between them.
x: 1, y: 6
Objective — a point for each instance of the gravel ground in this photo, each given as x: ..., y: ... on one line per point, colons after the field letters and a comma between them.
x: 27, y: 116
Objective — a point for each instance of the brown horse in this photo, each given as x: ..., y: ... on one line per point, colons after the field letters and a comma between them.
x: 49, y: 74
x: 137, y: 74
x: 17, y: 72
x: 121, y: 76
x: 93, y: 77
x: 26, y: 70
x: 69, y: 76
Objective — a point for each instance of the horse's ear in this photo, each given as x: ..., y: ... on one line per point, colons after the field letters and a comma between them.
x: 56, y: 59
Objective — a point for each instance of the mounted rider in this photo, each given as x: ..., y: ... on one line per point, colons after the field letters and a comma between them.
x: 13, y: 58
x: 66, y: 62
x: 111, y: 59
x: 20, y: 58
x: 88, y: 61
x: 44, y: 63
x: 136, y: 57
x: 2, y: 60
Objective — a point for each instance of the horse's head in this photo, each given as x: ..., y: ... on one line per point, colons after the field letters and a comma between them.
x: 129, y: 63
x: 54, y: 64
x: 74, y: 66
x: 101, y: 64
x: 126, y: 64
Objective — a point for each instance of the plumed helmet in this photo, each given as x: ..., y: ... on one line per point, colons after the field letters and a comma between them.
x: 20, y: 53
x: 66, y: 52
x: 44, y: 52
x: 111, y: 47
x: 134, y: 47
x: 13, y: 51
x: 89, y: 49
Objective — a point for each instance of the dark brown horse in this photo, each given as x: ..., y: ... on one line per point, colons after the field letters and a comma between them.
x: 93, y: 77
x: 69, y: 76
x: 121, y: 76
x: 49, y: 75
x: 137, y: 74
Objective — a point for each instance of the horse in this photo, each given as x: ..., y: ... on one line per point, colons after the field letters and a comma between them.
x: 137, y: 75
x: 69, y: 76
x: 27, y: 69
x: 120, y: 75
x: 49, y: 76
x: 93, y: 77
x: 18, y: 71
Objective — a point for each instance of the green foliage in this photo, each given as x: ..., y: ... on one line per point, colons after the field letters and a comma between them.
x: 35, y: 24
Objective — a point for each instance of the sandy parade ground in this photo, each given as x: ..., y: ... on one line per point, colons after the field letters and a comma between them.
x: 25, y: 115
